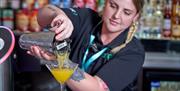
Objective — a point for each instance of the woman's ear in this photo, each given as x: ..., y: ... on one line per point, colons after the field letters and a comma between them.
x: 136, y: 17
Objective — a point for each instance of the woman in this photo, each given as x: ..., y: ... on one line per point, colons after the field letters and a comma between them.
x: 116, y: 68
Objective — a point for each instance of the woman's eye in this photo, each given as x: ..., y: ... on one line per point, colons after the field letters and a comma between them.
x: 127, y: 13
x: 112, y: 5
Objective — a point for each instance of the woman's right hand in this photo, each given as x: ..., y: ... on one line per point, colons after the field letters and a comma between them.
x: 62, y: 26
x: 58, y: 20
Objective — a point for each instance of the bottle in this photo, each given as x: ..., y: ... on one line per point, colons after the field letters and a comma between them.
x: 167, y: 20
x: 67, y: 3
x: 143, y: 26
x: 15, y: 4
x: 55, y: 2
x: 8, y: 18
x: 22, y: 19
x: 149, y: 19
x: 33, y: 23
x: 176, y: 19
x: 176, y: 27
x: 159, y: 17
x: 29, y: 3
x: 155, y: 86
x: 3, y: 3
x: 1, y: 17
x: 42, y: 3
x: 100, y: 6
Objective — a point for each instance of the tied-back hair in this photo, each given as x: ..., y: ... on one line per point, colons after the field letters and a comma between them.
x: 131, y: 33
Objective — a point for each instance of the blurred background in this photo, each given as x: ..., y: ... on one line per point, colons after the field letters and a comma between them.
x: 158, y: 30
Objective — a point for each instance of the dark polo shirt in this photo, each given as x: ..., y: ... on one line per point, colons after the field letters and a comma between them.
x: 122, y: 69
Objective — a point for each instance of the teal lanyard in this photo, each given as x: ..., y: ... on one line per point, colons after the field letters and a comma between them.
x: 86, y: 64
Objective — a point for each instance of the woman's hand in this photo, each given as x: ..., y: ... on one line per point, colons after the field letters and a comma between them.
x: 40, y: 53
x: 62, y: 26
x: 59, y: 21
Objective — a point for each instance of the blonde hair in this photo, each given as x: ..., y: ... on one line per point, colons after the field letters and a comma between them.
x: 139, y: 5
x: 129, y: 37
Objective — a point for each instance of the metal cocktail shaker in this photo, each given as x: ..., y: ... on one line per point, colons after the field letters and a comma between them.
x: 43, y: 39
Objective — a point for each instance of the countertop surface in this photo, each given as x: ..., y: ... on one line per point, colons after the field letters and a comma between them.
x: 162, y: 60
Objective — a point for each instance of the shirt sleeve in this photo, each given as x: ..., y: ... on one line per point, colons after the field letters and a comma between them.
x: 122, y: 70
x: 81, y: 19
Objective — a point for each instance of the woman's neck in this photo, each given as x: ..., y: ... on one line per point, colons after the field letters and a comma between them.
x: 107, y: 36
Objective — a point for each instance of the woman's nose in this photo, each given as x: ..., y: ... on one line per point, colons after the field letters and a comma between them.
x: 118, y: 14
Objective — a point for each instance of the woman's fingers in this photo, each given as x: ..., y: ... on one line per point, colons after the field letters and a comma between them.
x: 68, y: 34
x: 30, y: 53
x: 47, y: 56
x: 63, y: 34
x: 36, y: 51
x: 53, y: 28
x: 40, y: 53
x: 57, y: 21
x: 62, y: 26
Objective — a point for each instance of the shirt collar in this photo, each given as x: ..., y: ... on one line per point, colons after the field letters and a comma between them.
x: 120, y: 39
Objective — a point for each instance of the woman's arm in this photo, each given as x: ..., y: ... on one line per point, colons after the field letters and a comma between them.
x: 48, y: 15
x: 81, y: 81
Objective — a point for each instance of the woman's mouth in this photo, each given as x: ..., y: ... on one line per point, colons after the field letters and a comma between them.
x: 113, y: 22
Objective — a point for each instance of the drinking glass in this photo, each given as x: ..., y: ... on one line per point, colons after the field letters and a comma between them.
x: 62, y: 69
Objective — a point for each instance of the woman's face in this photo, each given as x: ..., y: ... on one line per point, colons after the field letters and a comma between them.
x: 119, y: 15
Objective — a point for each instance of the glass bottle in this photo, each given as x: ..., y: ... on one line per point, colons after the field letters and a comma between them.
x: 176, y: 19
x: 167, y: 20
x: 155, y: 86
